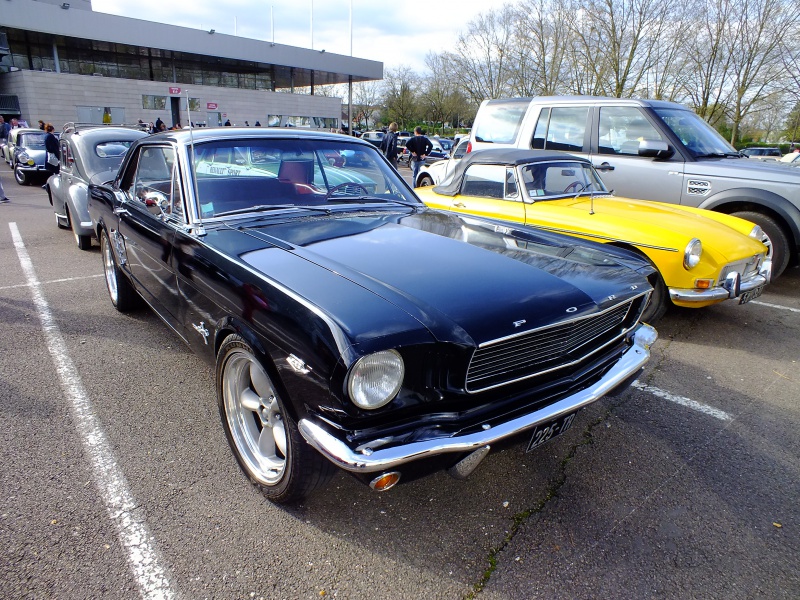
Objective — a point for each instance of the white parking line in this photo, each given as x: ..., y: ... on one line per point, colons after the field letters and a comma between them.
x: 703, y: 408
x: 23, y: 285
x: 126, y: 515
x: 797, y: 310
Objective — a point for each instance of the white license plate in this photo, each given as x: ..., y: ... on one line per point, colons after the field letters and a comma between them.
x: 751, y: 295
x: 545, y: 432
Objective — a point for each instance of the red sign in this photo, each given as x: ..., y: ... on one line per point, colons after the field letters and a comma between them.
x: 173, y: 90
x: 211, y: 105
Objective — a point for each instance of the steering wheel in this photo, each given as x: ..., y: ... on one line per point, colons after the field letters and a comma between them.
x: 346, y: 185
x: 575, y: 186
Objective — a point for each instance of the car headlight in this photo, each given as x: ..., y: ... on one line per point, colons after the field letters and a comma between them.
x: 375, y: 379
x: 692, y: 254
x: 23, y: 157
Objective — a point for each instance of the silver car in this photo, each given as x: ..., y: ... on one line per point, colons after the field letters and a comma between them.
x: 89, y: 155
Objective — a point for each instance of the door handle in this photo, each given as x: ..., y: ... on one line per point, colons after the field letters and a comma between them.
x: 604, y: 167
x: 460, y: 205
x: 119, y: 211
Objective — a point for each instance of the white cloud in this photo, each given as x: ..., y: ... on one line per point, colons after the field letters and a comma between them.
x: 394, y: 33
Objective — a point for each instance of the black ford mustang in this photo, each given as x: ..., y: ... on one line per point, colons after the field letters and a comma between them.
x: 349, y: 325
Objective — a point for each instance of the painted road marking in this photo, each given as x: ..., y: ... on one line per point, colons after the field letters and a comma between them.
x: 703, y: 408
x: 24, y: 285
x: 797, y: 310
x: 119, y: 502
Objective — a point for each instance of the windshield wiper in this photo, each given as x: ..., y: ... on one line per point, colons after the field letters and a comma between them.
x: 265, y: 207
x: 717, y: 155
x: 365, y: 199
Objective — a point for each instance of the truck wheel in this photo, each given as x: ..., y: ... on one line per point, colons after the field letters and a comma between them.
x: 775, y: 239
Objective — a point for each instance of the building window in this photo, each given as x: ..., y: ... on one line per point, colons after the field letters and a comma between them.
x: 154, y: 102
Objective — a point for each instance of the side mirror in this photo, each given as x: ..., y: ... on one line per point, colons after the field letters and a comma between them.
x: 655, y: 149
x: 156, y: 200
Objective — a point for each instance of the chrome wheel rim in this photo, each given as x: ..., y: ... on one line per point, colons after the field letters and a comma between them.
x: 767, y: 242
x: 254, y: 418
x: 108, y: 269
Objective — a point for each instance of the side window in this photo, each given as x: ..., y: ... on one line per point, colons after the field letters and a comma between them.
x: 66, y: 156
x: 461, y: 149
x: 566, y: 129
x: 621, y: 130
x: 499, y: 123
x: 484, y: 181
x: 540, y: 135
x: 153, y: 178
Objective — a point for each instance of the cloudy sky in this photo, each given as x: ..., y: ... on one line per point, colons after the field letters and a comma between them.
x: 393, y: 32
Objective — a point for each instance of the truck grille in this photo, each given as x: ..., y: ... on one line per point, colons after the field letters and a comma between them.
x: 550, y: 348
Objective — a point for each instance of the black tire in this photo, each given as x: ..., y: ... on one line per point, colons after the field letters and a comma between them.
x: 425, y: 180
x: 20, y: 177
x: 776, y: 240
x: 123, y: 296
x: 261, y: 432
x: 659, y: 300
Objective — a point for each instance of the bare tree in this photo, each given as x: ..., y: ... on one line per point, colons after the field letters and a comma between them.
x: 755, y: 48
x: 618, y: 40
x: 483, y: 55
x: 366, y: 101
x: 401, y: 89
x: 541, y: 41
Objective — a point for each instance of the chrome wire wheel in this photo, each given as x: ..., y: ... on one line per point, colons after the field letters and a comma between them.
x: 254, y: 417
x: 109, y: 269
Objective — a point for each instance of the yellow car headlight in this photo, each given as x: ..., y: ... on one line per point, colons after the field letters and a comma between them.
x: 692, y: 254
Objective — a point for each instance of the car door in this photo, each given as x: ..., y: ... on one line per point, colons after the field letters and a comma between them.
x: 617, y: 131
x: 64, y: 177
x: 490, y: 191
x: 148, y: 221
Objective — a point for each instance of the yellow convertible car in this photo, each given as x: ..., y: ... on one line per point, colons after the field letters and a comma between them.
x: 702, y: 257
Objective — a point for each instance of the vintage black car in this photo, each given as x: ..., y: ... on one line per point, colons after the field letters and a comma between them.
x: 360, y: 329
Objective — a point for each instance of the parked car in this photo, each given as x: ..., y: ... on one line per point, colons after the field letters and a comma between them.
x: 362, y: 331
x: 762, y: 153
x: 446, y: 144
x: 88, y: 155
x: 654, y: 150
x: 791, y: 158
x: 436, y: 172
x: 373, y: 137
x: 25, y: 154
x: 702, y: 257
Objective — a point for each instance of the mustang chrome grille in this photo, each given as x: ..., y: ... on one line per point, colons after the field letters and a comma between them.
x: 547, y: 349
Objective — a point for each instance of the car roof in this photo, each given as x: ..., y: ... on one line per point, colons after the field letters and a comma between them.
x: 501, y: 156
x: 592, y: 100
x: 206, y: 134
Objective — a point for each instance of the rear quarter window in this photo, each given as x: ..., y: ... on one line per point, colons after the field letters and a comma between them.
x: 499, y: 123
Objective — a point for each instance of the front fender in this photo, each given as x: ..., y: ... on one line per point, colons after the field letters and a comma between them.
x: 758, y: 200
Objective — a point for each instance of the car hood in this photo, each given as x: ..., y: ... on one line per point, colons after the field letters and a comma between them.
x: 647, y: 223
x: 465, y: 280
x: 745, y: 169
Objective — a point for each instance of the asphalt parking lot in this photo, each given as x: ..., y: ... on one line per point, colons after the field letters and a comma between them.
x: 117, y: 481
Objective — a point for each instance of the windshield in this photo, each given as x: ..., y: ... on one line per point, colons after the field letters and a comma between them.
x: 234, y: 176
x: 31, y: 140
x: 107, y: 156
x: 699, y: 137
x: 545, y: 180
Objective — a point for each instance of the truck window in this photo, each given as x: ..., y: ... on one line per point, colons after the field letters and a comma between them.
x: 621, y: 130
x: 561, y: 128
x: 499, y: 123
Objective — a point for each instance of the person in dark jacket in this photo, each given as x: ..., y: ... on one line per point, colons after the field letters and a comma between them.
x: 419, y: 147
x: 389, y: 144
x: 53, y: 154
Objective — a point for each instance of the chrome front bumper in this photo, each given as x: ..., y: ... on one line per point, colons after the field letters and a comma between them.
x: 732, y: 287
x: 369, y: 461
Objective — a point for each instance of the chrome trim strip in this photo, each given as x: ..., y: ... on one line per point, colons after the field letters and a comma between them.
x: 585, y: 234
x: 370, y: 461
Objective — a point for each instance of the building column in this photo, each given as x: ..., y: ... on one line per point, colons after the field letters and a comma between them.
x: 55, y: 58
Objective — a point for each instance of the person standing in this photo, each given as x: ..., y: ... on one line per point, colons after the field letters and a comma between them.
x: 389, y: 144
x: 419, y: 147
x: 3, y: 198
x: 53, y: 152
